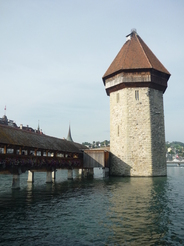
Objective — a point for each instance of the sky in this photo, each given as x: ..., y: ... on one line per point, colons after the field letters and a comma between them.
x: 54, y: 53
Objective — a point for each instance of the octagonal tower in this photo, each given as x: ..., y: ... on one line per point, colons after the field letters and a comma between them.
x: 135, y: 82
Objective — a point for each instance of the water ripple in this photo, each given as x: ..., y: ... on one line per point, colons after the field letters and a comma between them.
x: 114, y: 211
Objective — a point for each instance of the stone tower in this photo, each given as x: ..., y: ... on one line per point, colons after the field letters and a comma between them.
x: 135, y: 82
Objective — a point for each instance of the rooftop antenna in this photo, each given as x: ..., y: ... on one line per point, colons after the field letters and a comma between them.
x: 5, y: 110
x: 133, y: 30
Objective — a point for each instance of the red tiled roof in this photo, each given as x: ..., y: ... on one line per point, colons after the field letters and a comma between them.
x: 135, y: 54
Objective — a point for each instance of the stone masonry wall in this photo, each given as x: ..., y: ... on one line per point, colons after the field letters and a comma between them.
x: 159, y: 166
x: 137, y: 133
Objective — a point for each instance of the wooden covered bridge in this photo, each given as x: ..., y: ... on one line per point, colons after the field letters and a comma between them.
x: 22, y: 151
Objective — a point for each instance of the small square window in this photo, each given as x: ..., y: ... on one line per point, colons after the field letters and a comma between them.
x: 137, y: 95
x: 117, y: 97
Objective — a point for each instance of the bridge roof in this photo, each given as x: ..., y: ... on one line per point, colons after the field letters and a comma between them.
x: 17, y: 137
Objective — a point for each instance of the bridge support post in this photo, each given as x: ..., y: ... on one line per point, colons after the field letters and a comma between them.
x: 84, y: 173
x: 90, y: 172
x: 16, y: 181
x: 77, y: 172
x: 101, y: 172
x: 49, y: 177
x: 80, y: 171
x: 87, y: 173
x: 70, y: 174
x: 54, y: 175
x: 105, y: 172
x: 30, y: 176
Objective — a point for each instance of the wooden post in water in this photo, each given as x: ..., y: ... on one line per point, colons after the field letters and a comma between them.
x: 30, y: 176
x: 54, y: 175
x: 70, y: 174
x: 49, y: 177
x: 16, y: 181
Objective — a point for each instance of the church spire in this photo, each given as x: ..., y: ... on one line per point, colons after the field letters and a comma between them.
x: 38, y: 126
x: 69, y: 137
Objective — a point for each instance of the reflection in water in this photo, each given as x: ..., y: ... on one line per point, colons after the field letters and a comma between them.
x: 132, y: 213
x: 114, y: 211
x: 30, y: 187
x: 140, y: 211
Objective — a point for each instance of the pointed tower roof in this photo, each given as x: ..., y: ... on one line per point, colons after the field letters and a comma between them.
x: 69, y: 137
x: 134, y: 54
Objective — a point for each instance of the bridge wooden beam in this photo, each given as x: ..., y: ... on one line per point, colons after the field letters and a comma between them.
x: 16, y: 181
x: 20, y: 151
x: 5, y: 149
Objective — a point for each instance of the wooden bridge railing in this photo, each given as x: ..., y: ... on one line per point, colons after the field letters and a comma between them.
x: 12, y: 163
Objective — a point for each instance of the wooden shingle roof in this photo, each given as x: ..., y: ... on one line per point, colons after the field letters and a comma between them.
x: 134, y: 54
x: 17, y: 137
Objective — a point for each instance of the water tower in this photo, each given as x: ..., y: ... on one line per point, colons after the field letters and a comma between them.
x: 136, y: 81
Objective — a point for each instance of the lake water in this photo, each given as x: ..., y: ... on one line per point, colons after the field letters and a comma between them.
x: 110, y: 211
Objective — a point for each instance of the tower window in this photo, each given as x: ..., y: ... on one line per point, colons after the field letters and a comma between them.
x: 117, y: 97
x: 118, y: 131
x: 137, y: 95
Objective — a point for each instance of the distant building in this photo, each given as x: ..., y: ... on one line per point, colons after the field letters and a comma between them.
x: 26, y: 128
x: 5, y: 121
x: 169, y: 149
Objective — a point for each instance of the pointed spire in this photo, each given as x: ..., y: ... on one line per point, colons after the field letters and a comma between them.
x: 69, y: 137
x: 38, y: 126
